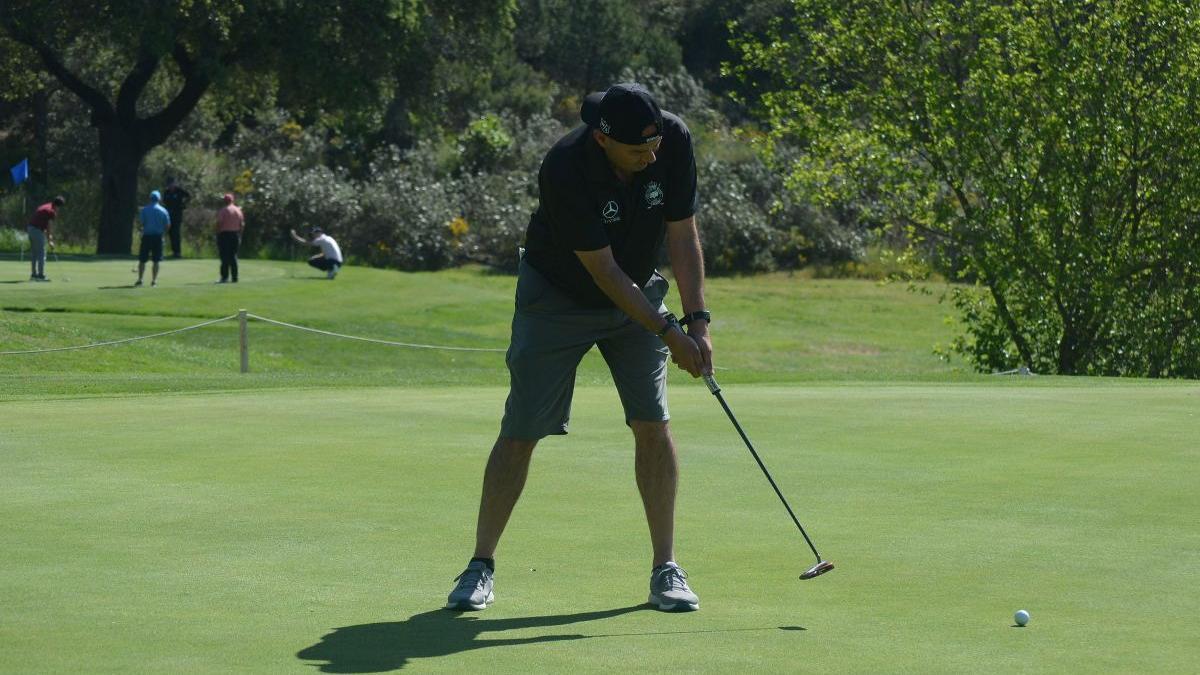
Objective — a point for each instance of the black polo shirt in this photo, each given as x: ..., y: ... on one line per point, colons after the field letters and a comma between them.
x: 583, y: 206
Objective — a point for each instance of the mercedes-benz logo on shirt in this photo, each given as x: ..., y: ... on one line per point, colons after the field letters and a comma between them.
x: 611, y: 212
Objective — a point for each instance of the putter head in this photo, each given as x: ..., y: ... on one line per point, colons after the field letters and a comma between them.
x: 817, y: 570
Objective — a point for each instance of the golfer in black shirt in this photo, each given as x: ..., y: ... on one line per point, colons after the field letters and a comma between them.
x: 611, y: 191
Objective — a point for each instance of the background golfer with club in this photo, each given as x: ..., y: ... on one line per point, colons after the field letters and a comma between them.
x: 155, y: 223
x: 41, y: 236
x: 610, y: 191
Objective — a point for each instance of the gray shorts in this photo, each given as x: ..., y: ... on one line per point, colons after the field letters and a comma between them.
x: 550, y: 335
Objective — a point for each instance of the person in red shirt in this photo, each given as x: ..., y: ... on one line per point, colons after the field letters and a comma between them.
x: 230, y: 224
x: 40, y: 234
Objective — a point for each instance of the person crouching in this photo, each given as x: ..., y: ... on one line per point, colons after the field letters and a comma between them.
x: 329, y: 260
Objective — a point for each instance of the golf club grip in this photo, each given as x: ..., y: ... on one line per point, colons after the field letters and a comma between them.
x: 766, y: 473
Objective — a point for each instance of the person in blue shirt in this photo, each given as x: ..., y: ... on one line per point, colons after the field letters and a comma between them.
x: 155, y: 223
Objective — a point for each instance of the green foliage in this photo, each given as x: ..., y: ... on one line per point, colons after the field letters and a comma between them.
x: 1052, y: 148
x: 18, y: 77
x: 286, y: 197
x: 584, y: 44
x: 321, y: 56
x: 13, y: 238
x: 463, y: 100
x: 484, y: 144
x: 735, y: 232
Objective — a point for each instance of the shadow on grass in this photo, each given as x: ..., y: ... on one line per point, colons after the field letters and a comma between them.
x: 380, y: 647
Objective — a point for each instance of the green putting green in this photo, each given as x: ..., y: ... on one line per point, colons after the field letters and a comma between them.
x: 292, y: 530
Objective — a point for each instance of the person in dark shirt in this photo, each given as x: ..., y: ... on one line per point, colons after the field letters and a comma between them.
x: 175, y: 200
x: 610, y: 192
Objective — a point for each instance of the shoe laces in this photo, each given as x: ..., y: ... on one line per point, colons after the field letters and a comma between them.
x: 674, y: 578
x: 471, y: 578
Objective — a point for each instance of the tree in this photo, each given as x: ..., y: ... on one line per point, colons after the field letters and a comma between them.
x: 1053, y: 147
x: 337, y: 54
x: 584, y: 44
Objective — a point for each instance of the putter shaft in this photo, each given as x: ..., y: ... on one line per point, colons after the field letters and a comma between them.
x: 716, y: 391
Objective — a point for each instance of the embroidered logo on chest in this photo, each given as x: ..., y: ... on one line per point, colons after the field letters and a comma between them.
x: 654, y: 194
x: 611, y: 212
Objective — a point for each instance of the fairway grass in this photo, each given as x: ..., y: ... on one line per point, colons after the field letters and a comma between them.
x: 297, y: 530
x: 771, y: 328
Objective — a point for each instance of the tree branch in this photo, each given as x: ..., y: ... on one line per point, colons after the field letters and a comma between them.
x: 134, y: 84
x: 98, y: 102
x: 195, y: 83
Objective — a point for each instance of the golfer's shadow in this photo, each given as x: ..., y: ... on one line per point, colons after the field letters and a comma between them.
x: 380, y: 647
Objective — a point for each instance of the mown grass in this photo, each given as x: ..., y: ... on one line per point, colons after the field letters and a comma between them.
x: 774, y: 328
x: 274, y: 531
x: 164, y: 513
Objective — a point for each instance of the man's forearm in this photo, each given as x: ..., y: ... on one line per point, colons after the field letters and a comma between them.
x: 687, y: 262
x: 628, y: 298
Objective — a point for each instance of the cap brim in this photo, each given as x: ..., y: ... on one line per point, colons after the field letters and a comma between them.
x: 589, y: 112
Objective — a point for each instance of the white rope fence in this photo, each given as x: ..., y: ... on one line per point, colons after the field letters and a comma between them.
x: 118, y: 342
x: 379, y: 342
x: 243, y: 318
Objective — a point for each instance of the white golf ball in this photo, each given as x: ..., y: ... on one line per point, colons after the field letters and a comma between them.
x: 1021, y: 617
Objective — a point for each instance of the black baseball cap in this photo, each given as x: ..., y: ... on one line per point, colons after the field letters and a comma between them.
x: 623, y: 113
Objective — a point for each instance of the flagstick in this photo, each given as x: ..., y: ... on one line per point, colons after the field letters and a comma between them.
x: 24, y: 214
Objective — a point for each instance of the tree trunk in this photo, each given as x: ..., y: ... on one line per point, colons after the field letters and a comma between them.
x: 121, y: 157
x: 40, y: 171
x: 124, y: 137
x: 1068, y: 352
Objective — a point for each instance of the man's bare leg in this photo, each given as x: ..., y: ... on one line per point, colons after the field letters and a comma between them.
x: 657, y: 469
x: 503, y: 481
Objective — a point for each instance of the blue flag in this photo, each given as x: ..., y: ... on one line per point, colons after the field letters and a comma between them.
x: 20, y: 172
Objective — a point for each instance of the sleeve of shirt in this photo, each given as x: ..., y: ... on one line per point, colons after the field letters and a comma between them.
x: 682, y: 196
x: 570, y: 213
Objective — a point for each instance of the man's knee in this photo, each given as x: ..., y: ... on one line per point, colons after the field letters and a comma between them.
x: 651, y: 434
x: 513, y: 447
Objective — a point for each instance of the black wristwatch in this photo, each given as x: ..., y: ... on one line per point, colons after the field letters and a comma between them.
x: 698, y: 314
x: 671, y: 321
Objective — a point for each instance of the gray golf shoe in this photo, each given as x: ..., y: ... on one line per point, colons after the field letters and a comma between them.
x: 474, y: 589
x: 669, y: 589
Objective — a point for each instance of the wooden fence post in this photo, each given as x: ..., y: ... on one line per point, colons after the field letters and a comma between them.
x: 244, y: 339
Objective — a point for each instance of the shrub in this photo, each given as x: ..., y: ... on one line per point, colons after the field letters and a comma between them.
x: 735, y: 233
x: 497, y: 209
x: 405, y: 222
x: 285, y: 197
x: 484, y: 144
